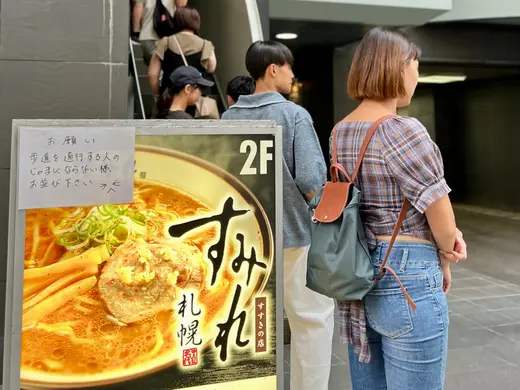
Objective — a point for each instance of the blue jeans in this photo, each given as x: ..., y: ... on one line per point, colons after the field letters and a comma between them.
x: 409, y: 349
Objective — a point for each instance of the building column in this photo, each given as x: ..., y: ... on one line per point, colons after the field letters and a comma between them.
x: 59, y: 59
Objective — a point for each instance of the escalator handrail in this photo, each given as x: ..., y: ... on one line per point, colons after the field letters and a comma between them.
x: 136, y: 78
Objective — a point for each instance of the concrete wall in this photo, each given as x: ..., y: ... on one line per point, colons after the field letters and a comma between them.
x: 263, y: 9
x: 341, y: 67
x: 464, y: 43
x: 474, y: 123
x: 60, y: 59
x: 477, y: 131
x: 441, y: 44
x: 385, y: 12
x: 232, y: 25
x: 422, y: 107
x: 480, y: 9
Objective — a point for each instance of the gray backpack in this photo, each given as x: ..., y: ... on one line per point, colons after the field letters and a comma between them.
x: 339, y: 263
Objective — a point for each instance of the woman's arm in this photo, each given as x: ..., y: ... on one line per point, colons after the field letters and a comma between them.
x: 212, y: 63
x: 441, y: 219
x: 416, y: 164
x: 154, y: 71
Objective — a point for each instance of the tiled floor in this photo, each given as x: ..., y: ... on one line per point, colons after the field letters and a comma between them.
x: 484, y: 340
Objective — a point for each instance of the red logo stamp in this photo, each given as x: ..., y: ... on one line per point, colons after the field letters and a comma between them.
x: 190, y: 357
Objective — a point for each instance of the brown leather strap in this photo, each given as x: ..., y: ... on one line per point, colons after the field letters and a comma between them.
x: 370, y: 133
x: 335, y: 143
x: 334, y: 174
x: 384, y: 267
x: 397, y: 227
x: 403, y: 289
x: 366, y: 142
x: 336, y: 168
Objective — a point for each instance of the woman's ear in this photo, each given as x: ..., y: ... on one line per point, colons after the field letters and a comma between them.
x: 187, y: 89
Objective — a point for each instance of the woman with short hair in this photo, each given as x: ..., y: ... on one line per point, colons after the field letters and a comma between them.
x: 187, y: 43
x: 391, y: 345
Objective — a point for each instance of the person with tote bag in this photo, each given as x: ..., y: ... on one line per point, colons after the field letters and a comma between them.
x: 206, y: 107
x: 182, y: 49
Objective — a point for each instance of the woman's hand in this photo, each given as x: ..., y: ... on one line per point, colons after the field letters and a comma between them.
x: 459, y: 252
x: 446, y: 272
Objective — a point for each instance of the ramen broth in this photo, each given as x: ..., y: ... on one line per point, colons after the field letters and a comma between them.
x: 78, y: 338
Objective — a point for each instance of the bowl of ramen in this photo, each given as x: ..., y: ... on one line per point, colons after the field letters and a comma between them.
x: 102, y: 284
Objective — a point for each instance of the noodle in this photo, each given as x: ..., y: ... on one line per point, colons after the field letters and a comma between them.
x: 64, y: 329
x: 159, y: 342
x: 36, y: 240
x: 87, y: 300
x: 46, y: 258
x: 66, y: 320
x: 82, y: 309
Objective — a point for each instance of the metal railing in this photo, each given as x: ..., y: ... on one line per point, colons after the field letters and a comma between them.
x: 137, y: 89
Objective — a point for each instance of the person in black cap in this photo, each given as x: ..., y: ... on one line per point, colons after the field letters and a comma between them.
x: 184, y: 90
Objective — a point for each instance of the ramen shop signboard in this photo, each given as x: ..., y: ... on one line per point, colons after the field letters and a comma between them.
x: 171, y: 284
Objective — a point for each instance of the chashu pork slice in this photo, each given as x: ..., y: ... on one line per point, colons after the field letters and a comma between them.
x: 142, y: 279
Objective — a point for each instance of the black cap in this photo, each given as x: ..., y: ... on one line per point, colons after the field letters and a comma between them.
x: 188, y: 75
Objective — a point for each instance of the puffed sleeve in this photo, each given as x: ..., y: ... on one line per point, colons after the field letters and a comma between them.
x: 414, y: 160
x: 207, y: 50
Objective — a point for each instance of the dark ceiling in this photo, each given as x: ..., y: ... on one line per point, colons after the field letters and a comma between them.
x: 318, y: 33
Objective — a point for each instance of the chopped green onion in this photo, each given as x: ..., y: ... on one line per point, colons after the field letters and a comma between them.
x: 108, y: 224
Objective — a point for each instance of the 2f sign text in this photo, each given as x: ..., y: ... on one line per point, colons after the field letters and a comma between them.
x: 255, y: 157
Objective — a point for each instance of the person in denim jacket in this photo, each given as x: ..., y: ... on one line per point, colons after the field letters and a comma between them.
x: 311, y: 315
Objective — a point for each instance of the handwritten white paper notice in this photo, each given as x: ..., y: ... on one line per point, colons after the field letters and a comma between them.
x: 75, y: 166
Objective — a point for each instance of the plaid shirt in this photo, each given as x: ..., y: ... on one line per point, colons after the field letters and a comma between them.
x: 401, y: 162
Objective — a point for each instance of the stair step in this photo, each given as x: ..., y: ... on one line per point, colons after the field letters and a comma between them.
x: 148, y: 102
x: 145, y: 86
x: 138, y: 50
x: 142, y: 69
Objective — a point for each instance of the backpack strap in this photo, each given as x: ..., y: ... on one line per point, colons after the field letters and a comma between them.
x: 180, y: 50
x: 366, y: 142
x: 336, y: 167
x: 384, y: 267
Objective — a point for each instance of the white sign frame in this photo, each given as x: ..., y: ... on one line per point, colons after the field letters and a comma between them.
x: 16, y: 233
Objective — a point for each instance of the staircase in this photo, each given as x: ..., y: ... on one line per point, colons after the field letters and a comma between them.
x: 141, y: 87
